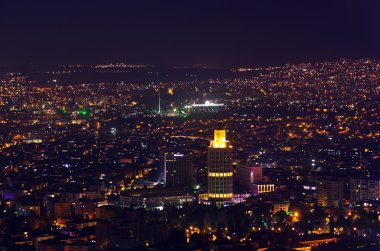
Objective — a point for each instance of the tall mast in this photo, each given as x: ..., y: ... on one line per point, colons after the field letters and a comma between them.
x: 159, y: 100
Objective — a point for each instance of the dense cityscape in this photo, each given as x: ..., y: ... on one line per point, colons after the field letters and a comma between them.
x: 107, y: 157
x: 211, y: 125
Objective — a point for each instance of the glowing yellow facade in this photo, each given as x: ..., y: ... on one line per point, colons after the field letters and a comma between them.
x: 227, y: 174
x: 220, y: 140
x: 222, y: 195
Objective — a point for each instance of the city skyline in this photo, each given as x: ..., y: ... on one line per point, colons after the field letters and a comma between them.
x: 190, y: 126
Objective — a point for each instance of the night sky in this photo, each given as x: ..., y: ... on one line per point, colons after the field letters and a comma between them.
x: 216, y: 33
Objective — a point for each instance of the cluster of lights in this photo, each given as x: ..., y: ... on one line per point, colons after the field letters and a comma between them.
x: 226, y: 174
x: 220, y: 195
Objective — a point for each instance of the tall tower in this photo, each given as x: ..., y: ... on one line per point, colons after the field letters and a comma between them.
x: 220, y: 173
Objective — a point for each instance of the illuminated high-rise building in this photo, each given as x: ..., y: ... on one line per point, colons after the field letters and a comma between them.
x: 220, y: 173
x: 176, y: 169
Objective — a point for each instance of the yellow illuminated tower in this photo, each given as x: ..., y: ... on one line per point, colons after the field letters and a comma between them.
x: 220, y: 182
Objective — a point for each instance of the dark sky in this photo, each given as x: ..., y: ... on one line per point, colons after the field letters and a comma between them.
x: 217, y: 33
